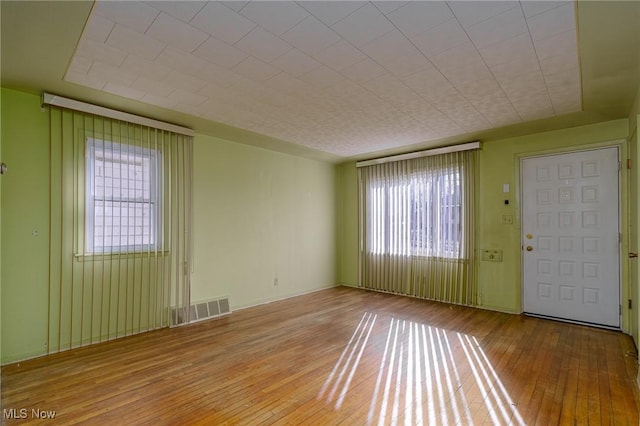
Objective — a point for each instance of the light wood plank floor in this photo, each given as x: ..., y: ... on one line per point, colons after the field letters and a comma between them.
x: 340, y: 356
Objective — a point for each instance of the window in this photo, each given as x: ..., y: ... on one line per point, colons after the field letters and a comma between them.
x: 416, y: 225
x: 122, y: 197
x: 423, y: 215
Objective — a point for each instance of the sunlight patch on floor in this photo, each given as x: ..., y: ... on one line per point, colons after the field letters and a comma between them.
x: 426, y: 376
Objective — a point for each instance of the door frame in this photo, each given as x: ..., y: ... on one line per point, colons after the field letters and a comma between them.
x: 623, y: 224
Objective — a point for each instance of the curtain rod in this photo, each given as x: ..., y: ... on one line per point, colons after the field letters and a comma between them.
x: 418, y: 154
x: 49, y: 99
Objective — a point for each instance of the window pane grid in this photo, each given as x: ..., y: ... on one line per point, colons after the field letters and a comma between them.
x: 121, y: 199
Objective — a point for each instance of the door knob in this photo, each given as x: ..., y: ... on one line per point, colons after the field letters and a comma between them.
x: 529, y: 248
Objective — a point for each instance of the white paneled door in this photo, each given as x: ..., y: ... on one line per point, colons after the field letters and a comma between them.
x: 570, y: 236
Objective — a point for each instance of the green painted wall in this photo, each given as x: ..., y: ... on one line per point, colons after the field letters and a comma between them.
x: 261, y: 215
x: 258, y: 215
x: 25, y: 201
x: 499, y: 282
x: 348, y: 222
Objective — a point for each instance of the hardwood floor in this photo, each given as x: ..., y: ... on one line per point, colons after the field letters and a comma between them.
x: 339, y: 356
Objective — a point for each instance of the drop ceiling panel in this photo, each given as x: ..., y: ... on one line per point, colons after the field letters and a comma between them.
x: 276, y: 17
x: 331, y: 12
x: 176, y: 33
x: 263, y: 45
x: 222, y: 22
x: 342, y: 77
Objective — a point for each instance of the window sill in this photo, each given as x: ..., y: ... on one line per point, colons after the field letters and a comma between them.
x: 93, y: 257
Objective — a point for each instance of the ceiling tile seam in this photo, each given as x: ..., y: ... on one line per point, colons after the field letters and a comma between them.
x: 535, y: 49
x: 431, y: 62
x: 301, y: 4
x: 515, y: 4
x: 562, y: 4
x: 485, y: 62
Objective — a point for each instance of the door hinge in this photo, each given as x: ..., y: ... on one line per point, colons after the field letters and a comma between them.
x: 630, y: 304
x: 619, y: 165
x: 619, y: 237
x: 620, y: 310
x: 629, y: 163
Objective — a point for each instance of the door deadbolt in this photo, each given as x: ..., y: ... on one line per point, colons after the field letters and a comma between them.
x: 529, y: 248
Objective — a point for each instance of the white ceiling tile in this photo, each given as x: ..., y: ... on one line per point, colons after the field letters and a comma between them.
x: 109, y: 73
x: 552, y: 22
x: 124, y: 91
x: 153, y: 87
x: 532, y: 8
x: 184, y: 82
x: 184, y: 97
x: 295, y: 62
x: 340, y: 55
x: 93, y: 50
x: 407, y: 65
x: 507, y: 70
x: 160, y: 101
x: 181, y: 61
x: 426, y: 81
x: 462, y: 55
x: 472, y: 12
x: 131, y: 41
x: 390, y: 88
x: 418, y: 16
x: 235, y: 4
x: 321, y: 77
x: 85, y: 80
x: 468, y: 73
x: 222, y: 23
x: 139, y: 66
x: 176, y: 33
x: 520, y: 85
x: 391, y: 45
x: 183, y: 10
x: 256, y: 70
x: 98, y: 28
x: 498, y: 28
x: 276, y: 17
x: 363, y: 71
x: 287, y: 84
x: 387, y: 7
x: 134, y: 15
x: 311, y: 36
x: 568, y: 78
x: 331, y: 12
x: 387, y: 91
x: 363, y: 25
x: 220, y: 53
x: 440, y: 38
x: 80, y: 64
x: 555, y: 64
x: 219, y: 76
x: 263, y: 45
x: 515, y: 49
x: 564, y: 43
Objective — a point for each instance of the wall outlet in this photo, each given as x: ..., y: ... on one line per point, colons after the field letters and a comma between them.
x: 275, y: 281
x: 492, y: 255
x: 507, y: 219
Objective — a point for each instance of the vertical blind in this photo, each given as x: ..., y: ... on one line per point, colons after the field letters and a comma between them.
x: 417, y: 227
x: 120, y: 222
